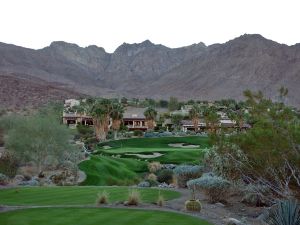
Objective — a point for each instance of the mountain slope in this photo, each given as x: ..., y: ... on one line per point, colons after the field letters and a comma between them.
x: 149, y: 70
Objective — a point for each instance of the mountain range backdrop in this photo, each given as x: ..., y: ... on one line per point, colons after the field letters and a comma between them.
x: 62, y: 70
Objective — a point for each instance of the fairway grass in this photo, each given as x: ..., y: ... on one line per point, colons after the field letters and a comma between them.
x: 95, y: 216
x: 75, y: 195
x: 105, y: 170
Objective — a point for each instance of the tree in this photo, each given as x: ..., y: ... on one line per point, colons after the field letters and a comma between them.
x: 212, y: 120
x: 269, y: 152
x: 116, y: 114
x: 195, y: 114
x: 173, y: 104
x: 150, y: 114
x: 39, y: 139
x: 99, y: 109
x: 176, y: 120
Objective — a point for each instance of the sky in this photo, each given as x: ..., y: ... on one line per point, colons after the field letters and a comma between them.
x: 174, y: 23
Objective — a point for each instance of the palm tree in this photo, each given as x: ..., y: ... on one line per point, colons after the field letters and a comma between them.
x: 99, y: 110
x: 116, y: 114
x: 150, y: 114
x: 195, y: 114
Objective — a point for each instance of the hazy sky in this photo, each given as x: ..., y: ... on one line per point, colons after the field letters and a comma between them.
x: 174, y: 23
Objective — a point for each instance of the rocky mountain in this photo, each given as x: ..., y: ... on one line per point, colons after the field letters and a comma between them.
x: 149, y: 70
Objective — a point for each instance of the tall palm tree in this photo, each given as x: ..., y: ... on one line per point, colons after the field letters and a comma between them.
x: 116, y: 114
x: 150, y: 114
x: 99, y: 110
x: 195, y: 114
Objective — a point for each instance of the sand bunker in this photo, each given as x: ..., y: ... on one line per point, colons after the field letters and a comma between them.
x: 183, y: 145
x: 142, y: 156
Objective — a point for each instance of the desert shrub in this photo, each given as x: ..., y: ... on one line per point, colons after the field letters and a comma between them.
x: 152, y: 176
x: 8, y: 164
x: 185, y: 173
x: 3, y: 179
x: 165, y: 176
x: 134, y: 197
x: 154, y: 167
x: 257, y: 195
x: 102, y: 198
x: 193, y: 205
x: 160, y: 200
x: 214, y: 186
x: 144, y: 184
x: 153, y: 183
x: 84, y: 131
x: 137, y: 133
x: 285, y: 212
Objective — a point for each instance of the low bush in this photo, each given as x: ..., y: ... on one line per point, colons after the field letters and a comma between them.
x: 165, y: 176
x: 134, y: 197
x: 193, y: 205
x: 144, y: 184
x: 185, y: 173
x: 160, y: 200
x: 153, y: 183
x: 257, y: 195
x: 214, y: 186
x: 285, y: 212
x: 154, y: 167
x: 102, y: 198
x: 152, y: 176
x: 138, y: 133
x: 8, y: 164
x: 3, y: 179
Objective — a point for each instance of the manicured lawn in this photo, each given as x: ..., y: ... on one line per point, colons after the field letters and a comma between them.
x: 174, y: 155
x: 159, y: 143
x: 74, y: 195
x: 95, y: 216
x: 105, y: 170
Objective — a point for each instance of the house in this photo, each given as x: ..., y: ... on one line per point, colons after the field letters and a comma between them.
x: 73, y: 119
x: 135, y: 121
x: 188, y: 125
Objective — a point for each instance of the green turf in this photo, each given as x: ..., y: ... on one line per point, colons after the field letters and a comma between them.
x: 95, y: 216
x: 161, y: 142
x: 105, y: 170
x: 75, y: 195
x: 161, y: 145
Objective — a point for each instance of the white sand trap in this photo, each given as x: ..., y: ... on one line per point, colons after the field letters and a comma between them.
x: 106, y: 147
x: 183, y: 145
x: 142, y: 156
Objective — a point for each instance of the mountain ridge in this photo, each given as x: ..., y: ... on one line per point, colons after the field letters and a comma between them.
x: 152, y: 70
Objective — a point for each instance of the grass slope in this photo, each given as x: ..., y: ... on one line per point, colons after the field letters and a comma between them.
x: 105, y: 170
x: 75, y: 195
x: 95, y: 216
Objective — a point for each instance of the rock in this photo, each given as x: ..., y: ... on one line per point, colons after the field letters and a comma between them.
x: 233, y: 221
x: 18, y: 179
x: 220, y: 204
x: 144, y: 184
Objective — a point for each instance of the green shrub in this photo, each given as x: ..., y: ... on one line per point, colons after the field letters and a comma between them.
x: 137, y: 133
x: 152, y: 176
x: 102, y: 198
x: 134, y: 197
x: 284, y: 213
x: 193, y: 205
x: 8, y: 164
x: 165, y: 176
x: 185, y: 173
x: 214, y: 186
x: 256, y: 195
x: 153, y: 183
